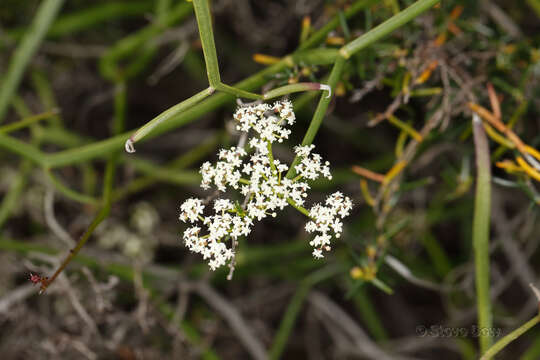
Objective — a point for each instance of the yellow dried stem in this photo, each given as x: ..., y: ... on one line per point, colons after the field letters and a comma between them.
x: 394, y: 171
x: 368, y: 174
x: 497, y: 137
x: 440, y: 40
x: 456, y: 12
x: 528, y: 169
x: 335, y: 40
x: 494, y: 101
x: 532, y: 151
x: 366, y: 194
x: 427, y: 73
x: 509, y: 166
x: 265, y: 59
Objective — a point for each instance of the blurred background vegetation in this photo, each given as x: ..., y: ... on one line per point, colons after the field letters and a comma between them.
x: 397, y: 134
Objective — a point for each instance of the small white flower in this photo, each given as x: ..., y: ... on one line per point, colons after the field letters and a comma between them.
x: 303, y: 151
x: 223, y: 205
x: 191, y: 210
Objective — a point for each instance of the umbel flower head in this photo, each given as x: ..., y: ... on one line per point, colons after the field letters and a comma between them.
x: 260, y: 178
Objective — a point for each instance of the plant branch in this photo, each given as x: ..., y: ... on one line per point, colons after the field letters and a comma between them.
x: 380, y: 31
x: 19, y: 61
x: 482, y: 207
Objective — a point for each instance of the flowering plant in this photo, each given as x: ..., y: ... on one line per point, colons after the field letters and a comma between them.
x: 260, y: 180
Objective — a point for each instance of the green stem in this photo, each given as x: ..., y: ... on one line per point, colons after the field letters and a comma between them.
x: 19, y: 61
x: 181, y: 162
x: 173, y: 176
x: 138, y: 45
x: 24, y: 149
x: 320, y: 35
x: 271, y: 157
x: 68, y: 192
x: 231, y: 90
x: 9, y: 200
x: 289, y: 318
x: 167, y: 114
x: 71, y: 24
x: 102, y: 214
x: 204, y: 23
x: 46, y: 96
x: 320, y: 112
x: 482, y: 207
x: 501, y: 344
x: 387, y: 27
x: 292, y: 88
x: 108, y: 182
x: 298, y: 207
x: 27, y: 121
x: 535, y: 5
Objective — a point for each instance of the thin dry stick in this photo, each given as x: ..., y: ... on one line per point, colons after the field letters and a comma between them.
x: 407, y: 274
x: 233, y: 318
x: 50, y: 219
x: 15, y: 296
x: 340, y: 318
x: 76, y: 303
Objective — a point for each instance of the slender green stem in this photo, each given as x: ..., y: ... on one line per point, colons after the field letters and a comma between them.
x: 71, y: 24
x: 68, y: 192
x: 173, y: 176
x: 369, y: 314
x: 535, y: 5
x: 387, y: 27
x: 319, y: 56
x: 482, y: 207
x: 227, y: 89
x: 298, y: 207
x: 292, y: 88
x: 244, y: 181
x: 271, y: 157
x: 533, y: 352
x: 62, y: 137
x: 289, y: 318
x: 139, y: 43
x: 181, y: 162
x: 19, y: 61
x: 320, y: 112
x: 204, y: 23
x: 27, y: 121
x: 108, y: 183
x: 167, y: 114
x: 9, y: 200
x: 24, y: 149
x: 305, y: 29
x: 46, y: 95
x: 319, y: 36
x: 407, y: 128
x: 501, y: 344
x: 101, y: 215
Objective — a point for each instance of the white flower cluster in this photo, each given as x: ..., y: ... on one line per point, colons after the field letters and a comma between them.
x: 327, y: 218
x: 260, y: 178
